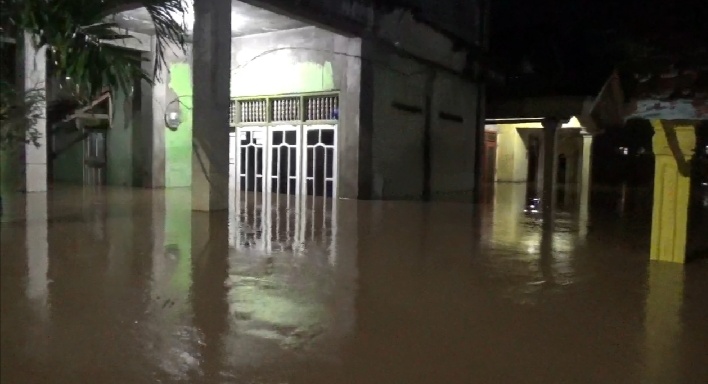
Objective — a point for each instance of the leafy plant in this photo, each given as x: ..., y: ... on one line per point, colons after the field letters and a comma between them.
x: 19, y: 114
x: 76, y: 33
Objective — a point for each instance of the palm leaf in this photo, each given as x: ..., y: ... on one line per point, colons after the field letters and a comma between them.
x: 76, y: 32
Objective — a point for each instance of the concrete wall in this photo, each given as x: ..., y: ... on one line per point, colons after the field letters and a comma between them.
x: 398, y: 123
x: 460, y: 18
x: 400, y: 88
x: 453, y: 135
x: 119, y: 142
x: 293, y: 61
x: 306, y: 60
x: 512, y: 159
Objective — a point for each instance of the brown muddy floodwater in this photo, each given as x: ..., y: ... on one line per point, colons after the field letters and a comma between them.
x: 128, y: 286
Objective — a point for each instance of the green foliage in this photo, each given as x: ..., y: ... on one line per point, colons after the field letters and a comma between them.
x: 76, y: 33
x: 19, y: 114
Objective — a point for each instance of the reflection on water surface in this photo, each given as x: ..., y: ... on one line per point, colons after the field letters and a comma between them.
x: 130, y: 286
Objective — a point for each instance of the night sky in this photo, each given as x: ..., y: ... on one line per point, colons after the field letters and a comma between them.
x: 570, y: 47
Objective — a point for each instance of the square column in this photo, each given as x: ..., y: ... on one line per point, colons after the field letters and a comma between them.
x: 550, y: 144
x: 673, y: 147
x: 512, y: 160
x: 585, y: 167
x: 211, y: 81
x: 585, y: 162
x: 33, y: 78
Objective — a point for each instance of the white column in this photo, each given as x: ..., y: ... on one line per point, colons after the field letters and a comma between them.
x: 585, y: 165
x: 152, y: 133
x: 35, y: 77
x: 211, y: 77
x: 550, y: 153
x: 37, y: 251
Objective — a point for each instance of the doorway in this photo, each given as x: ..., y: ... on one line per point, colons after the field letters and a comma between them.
x: 286, y: 145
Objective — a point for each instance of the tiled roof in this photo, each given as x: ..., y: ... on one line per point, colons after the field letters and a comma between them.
x: 670, y: 93
x: 672, y: 83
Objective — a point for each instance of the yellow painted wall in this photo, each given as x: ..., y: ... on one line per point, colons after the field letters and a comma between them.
x: 512, y: 160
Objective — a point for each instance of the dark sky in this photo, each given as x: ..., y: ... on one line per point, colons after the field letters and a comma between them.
x: 574, y: 43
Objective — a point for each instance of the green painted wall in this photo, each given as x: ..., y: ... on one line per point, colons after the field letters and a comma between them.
x: 272, y: 76
x: 178, y: 144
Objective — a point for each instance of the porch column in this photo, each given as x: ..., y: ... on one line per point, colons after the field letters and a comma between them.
x: 32, y: 65
x: 663, y: 323
x: 151, y: 135
x: 211, y: 80
x: 673, y: 147
x: 585, y: 166
x: 512, y: 159
x: 550, y: 144
x: 539, y: 167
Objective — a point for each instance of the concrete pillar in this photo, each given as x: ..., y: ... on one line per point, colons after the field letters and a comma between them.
x: 550, y: 143
x: 673, y: 147
x: 150, y: 138
x: 539, y: 168
x: 37, y: 252
x: 585, y: 166
x: 211, y: 82
x: 33, y: 76
x: 512, y: 159
x: 209, y: 291
x: 663, y: 323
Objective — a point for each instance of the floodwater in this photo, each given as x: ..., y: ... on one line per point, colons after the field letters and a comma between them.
x: 129, y: 286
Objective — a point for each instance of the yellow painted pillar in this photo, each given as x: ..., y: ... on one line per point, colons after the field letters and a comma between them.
x: 673, y: 147
x: 512, y: 160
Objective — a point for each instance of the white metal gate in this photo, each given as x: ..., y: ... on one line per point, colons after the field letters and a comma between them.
x: 251, y: 159
x: 286, y: 145
x: 283, y: 150
x: 320, y: 160
x: 283, y: 154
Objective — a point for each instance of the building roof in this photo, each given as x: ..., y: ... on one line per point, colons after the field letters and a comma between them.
x: 669, y: 93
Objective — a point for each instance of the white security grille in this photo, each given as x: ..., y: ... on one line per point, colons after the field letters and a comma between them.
x: 286, y: 109
x: 284, y: 170
x: 250, y: 158
x: 320, y: 160
x: 286, y: 145
x: 253, y: 111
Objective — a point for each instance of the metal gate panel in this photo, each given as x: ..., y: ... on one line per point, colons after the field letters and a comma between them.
x: 251, y: 158
x: 233, y: 148
x: 283, y: 159
x: 284, y: 167
x: 319, y: 160
x: 284, y: 170
x: 251, y: 171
